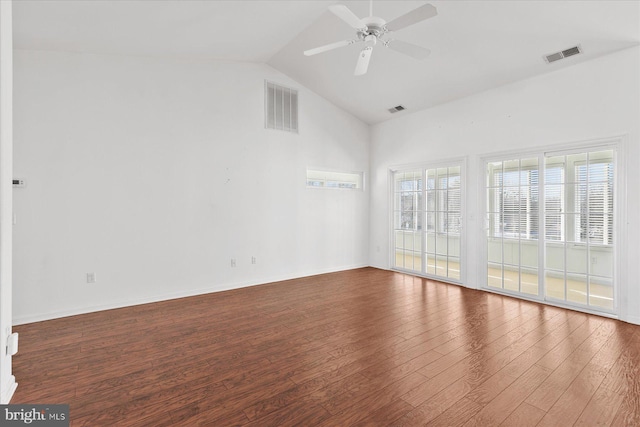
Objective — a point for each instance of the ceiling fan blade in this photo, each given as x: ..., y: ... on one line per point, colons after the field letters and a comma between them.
x: 416, y: 15
x: 363, y: 61
x: 327, y: 47
x: 343, y: 12
x: 410, y: 49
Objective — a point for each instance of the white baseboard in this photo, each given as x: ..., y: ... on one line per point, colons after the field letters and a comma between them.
x: 631, y: 319
x: 31, y: 318
x: 8, y: 389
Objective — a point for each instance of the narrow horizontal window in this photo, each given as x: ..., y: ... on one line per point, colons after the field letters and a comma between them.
x: 331, y: 179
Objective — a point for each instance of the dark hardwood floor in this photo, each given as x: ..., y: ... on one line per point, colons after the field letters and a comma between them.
x: 364, y: 347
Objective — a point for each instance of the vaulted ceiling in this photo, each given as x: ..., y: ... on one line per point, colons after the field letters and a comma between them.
x: 475, y: 45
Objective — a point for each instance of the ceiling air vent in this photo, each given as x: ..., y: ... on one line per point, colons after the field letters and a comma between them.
x: 563, y: 54
x: 396, y: 109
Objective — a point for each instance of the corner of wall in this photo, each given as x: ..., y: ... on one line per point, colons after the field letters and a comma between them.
x: 7, y: 380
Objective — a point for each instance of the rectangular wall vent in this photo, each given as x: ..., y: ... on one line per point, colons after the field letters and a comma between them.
x: 563, y: 54
x: 572, y: 51
x: 396, y: 109
x: 281, y: 107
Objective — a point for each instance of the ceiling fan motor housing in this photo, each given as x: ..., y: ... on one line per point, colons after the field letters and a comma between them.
x: 375, y: 27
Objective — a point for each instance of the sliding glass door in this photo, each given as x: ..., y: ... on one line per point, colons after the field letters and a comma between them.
x: 427, y: 228
x: 550, y: 227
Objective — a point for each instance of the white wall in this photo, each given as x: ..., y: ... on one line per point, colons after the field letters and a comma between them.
x: 595, y: 99
x: 7, y: 380
x: 153, y: 173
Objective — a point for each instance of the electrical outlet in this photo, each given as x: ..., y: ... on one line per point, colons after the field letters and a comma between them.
x: 19, y: 183
x: 91, y: 277
x: 253, y: 260
x: 233, y: 262
x: 12, y: 344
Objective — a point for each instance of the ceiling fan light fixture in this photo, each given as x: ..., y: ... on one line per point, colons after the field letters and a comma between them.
x: 370, y: 40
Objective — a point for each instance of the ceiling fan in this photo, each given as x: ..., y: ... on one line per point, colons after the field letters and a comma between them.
x: 373, y: 29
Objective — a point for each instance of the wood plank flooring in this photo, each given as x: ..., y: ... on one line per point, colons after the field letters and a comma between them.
x: 364, y: 347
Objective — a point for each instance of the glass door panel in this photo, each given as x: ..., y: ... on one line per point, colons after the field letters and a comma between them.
x: 408, y: 213
x: 512, y: 207
x: 578, y: 212
x: 431, y: 212
x: 444, y: 211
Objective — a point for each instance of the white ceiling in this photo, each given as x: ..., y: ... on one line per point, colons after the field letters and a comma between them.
x: 476, y: 45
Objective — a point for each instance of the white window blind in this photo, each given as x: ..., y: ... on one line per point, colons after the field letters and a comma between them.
x: 513, y: 204
x: 409, y: 200
x: 443, y: 200
x: 554, y: 176
x: 594, y: 202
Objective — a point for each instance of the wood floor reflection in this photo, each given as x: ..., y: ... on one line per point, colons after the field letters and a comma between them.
x: 360, y: 347
x: 594, y: 295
